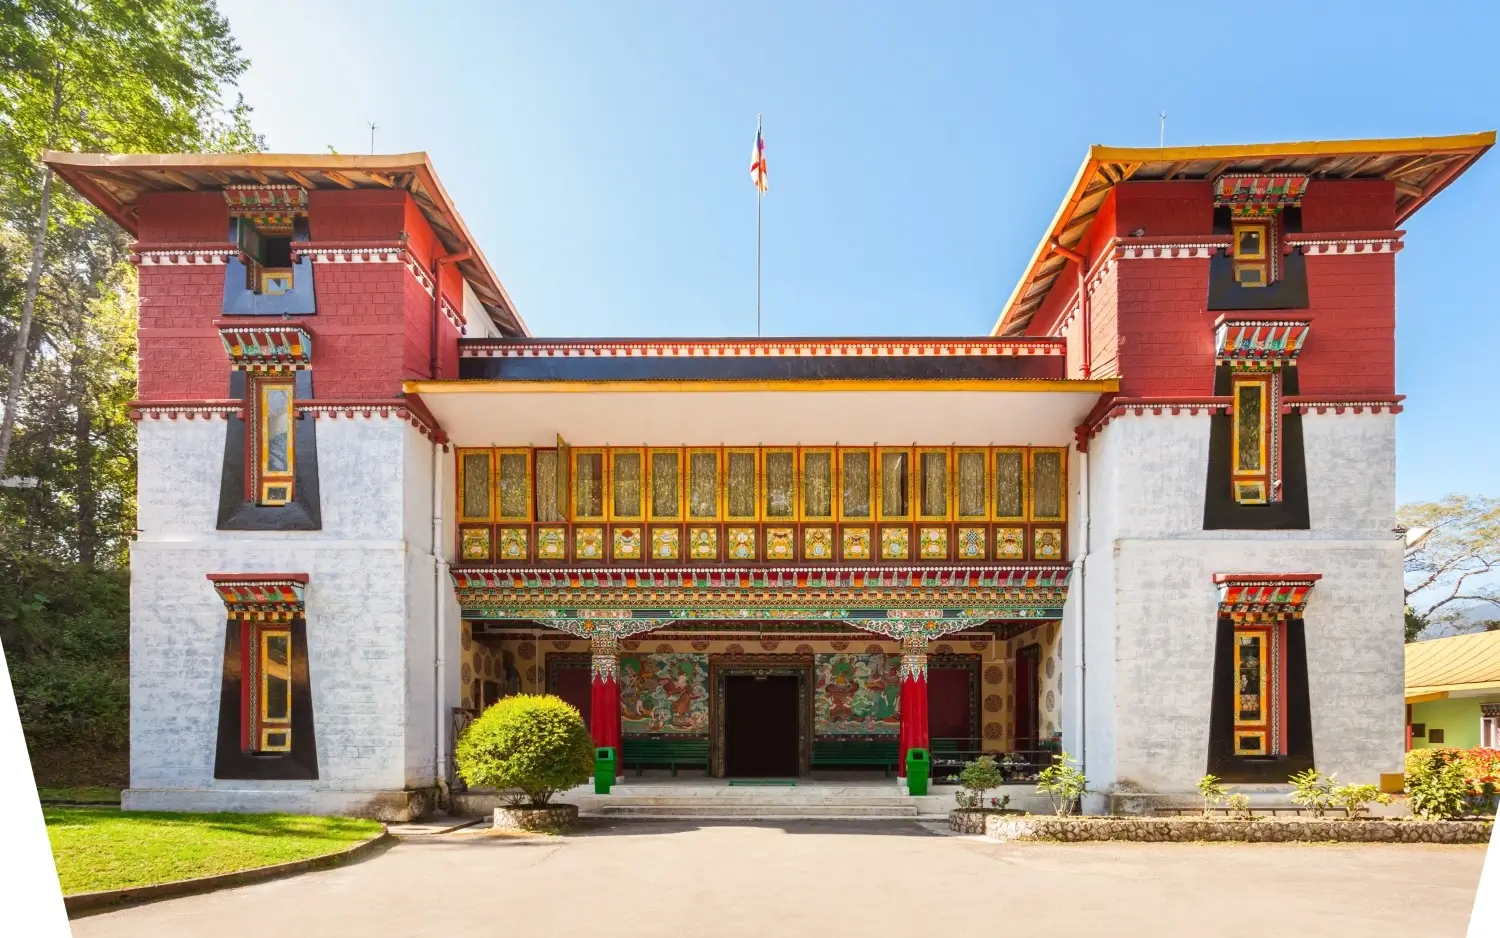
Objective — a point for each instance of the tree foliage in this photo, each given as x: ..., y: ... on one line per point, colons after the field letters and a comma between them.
x: 1456, y: 566
x: 534, y: 743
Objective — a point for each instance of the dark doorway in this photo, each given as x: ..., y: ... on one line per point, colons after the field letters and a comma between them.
x: 1028, y: 687
x: 760, y: 726
x: 573, y: 683
x: 949, y: 702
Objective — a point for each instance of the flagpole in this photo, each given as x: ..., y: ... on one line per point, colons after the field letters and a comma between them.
x: 758, y: 194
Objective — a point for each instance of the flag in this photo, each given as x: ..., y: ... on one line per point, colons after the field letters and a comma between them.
x: 758, y: 161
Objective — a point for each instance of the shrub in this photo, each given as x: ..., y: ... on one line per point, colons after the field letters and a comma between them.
x: 535, y: 743
x: 1436, y: 784
x: 979, y: 776
x: 1062, y: 783
x: 1355, y: 799
x: 1313, y: 791
x: 1213, y: 791
x: 1239, y: 806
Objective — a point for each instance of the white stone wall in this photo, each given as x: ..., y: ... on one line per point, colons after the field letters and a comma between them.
x: 1151, y: 599
x: 369, y: 611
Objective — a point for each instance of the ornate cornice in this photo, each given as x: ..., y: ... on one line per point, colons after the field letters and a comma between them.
x: 1303, y: 404
x: 184, y: 257
x: 192, y: 410
x: 261, y: 597
x: 1345, y: 242
x: 1263, y: 596
x: 267, y: 348
x: 402, y: 409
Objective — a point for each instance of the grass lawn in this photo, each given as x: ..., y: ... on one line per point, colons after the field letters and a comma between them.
x: 102, y: 848
x: 83, y: 794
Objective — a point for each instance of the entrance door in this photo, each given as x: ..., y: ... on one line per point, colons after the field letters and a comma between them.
x: 949, y: 700
x: 574, y: 685
x: 1028, y: 687
x: 760, y: 726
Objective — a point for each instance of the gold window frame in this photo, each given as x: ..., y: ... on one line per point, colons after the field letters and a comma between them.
x: 765, y: 486
x: 577, y: 453
x: 266, y: 479
x: 834, y: 491
x: 755, y: 497
x: 1062, y: 483
x: 540, y: 498
x: 458, y: 472
x: 1264, y: 227
x: 649, y: 491
x: 993, y: 492
x: 877, y: 483
x: 1263, y: 387
x: 719, y: 487
x: 919, y: 482
x: 525, y: 452
x: 1258, y: 728
x: 985, y: 495
x: 268, y: 724
x: 644, y: 481
x: 844, y: 453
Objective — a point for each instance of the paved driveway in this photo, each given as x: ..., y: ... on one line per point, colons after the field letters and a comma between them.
x: 822, y: 878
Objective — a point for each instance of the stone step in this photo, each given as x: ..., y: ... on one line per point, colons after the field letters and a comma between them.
x: 759, y: 811
x: 666, y: 800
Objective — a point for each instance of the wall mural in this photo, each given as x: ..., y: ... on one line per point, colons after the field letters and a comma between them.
x: 857, y: 695
x: 664, y: 693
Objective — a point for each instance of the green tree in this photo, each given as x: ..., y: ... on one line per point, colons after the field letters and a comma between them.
x: 113, y: 75
x: 1454, y: 566
x: 533, y: 743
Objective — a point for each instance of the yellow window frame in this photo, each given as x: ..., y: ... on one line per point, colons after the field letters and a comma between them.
x: 755, y: 484
x: 1263, y: 388
x: 578, y: 452
x: 264, y: 477
x: 268, y: 724
x: 1062, y: 483
x: 993, y: 488
x: 1264, y: 227
x: 919, y: 482
x: 525, y: 452
x: 833, y: 482
x: 985, y: 495
x: 878, y: 483
x: 873, y: 476
x: 718, y: 487
x: 649, y: 494
x: 766, y: 453
x: 643, y: 480
x: 460, y: 467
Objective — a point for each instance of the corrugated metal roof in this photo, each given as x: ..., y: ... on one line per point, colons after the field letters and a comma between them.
x: 1444, y: 663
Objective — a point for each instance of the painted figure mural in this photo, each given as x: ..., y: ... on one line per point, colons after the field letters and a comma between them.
x: 857, y: 695
x: 664, y: 693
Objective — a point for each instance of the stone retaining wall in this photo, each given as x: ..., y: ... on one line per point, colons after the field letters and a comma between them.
x: 549, y: 818
x: 1261, y: 830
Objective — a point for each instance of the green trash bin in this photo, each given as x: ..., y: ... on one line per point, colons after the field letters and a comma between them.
x: 918, y: 768
x: 604, y: 769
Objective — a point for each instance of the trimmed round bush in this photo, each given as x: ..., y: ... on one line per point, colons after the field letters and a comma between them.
x: 535, y: 743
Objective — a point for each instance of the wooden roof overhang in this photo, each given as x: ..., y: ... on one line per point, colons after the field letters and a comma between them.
x: 114, y: 181
x: 1420, y: 167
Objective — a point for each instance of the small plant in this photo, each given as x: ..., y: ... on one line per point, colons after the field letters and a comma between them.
x: 1062, y: 783
x: 980, y: 776
x: 1437, y: 784
x: 533, y: 743
x: 1313, y: 791
x: 1001, y: 803
x: 964, y: 798
x: 1239, y: 806
x: 1211, y: 787
x: 1356, y: 799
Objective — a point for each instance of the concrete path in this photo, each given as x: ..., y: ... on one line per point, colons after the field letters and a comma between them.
x: 815, y: 878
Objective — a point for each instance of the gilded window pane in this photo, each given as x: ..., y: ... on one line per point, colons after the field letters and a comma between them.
x: 741, y: 485
x: 1009, y: 492
x: 276, y: 675
x: 1248, y: 414
x: 476, y: 485
x: 817, y: 485
x: 935, y: 484
x: 856, y: 485
x: 546, y: 486
x: 278, y: 429
x: 780, y: 494
x: 589, y: 475
x: 513, y: 486
x: 626, y: 481
x: 1250, y: 704
x: 665, y: 486
x: 703, y: 485
x: 1046, y: 485
x: 971, y: 485
x: 895, y: 484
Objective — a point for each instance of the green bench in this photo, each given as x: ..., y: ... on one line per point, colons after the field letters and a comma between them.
x: 641, y: 752
x: 829, y: 753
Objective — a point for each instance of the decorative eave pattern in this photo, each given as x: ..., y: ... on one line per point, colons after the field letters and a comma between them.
x: 1264, y: 190
x: 874, y: 600
x: 1303, y: 404
x: 1110, y: 408
x: 759, y: 348
x: 262, y: 597
x: 1345, y: 242
x: 1200, y: 247
x: 1264, y: 596
x: 364, y: 253
x: 267, y: 348
x: 191, y: 410
x: 1259, y: 342
x: 183, y: 257
x: 407, y: 410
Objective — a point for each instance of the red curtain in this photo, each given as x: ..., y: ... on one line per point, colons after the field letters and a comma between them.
x: 913, y: 711
x: 604, y: 704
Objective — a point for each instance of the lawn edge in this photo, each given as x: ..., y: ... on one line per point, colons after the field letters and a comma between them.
x: 102, y: 899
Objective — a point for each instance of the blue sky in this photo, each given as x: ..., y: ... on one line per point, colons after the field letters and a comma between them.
x: 600, y: 151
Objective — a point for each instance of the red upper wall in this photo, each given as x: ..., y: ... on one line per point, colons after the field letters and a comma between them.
x: 373, y: 325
